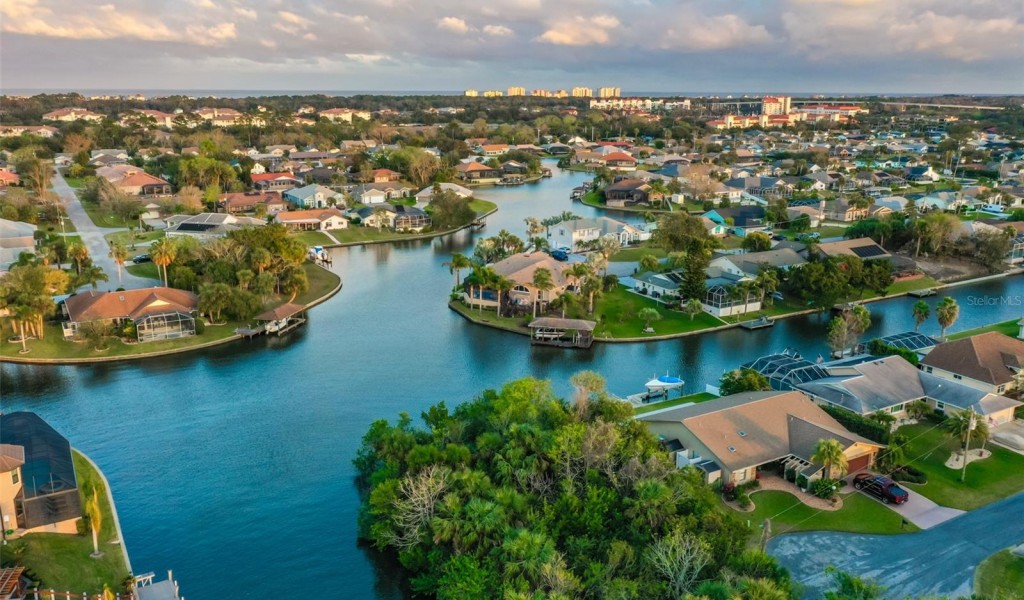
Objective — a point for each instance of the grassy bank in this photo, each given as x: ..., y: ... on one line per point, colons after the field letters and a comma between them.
x: 362, y: 235
x: 695, y: 398
x: 617, y: 310
x: 1000, y: 576
x: 788, y: 514
x: 988, y: 480
x: 490, y: 317
x: 1009, y: 328
x: 317, y: 238
x: 635, y: 254
x: 62, y: 561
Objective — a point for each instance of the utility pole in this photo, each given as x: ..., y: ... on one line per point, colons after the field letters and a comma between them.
x: 766, y: 533
x: 967, y: 443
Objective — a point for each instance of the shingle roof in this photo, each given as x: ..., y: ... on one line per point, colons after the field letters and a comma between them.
x: 989, y: 357
x: 131, y: 304
x: 521, y: 267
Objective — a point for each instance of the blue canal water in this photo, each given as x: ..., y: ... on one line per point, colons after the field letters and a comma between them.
x: 232, y: 466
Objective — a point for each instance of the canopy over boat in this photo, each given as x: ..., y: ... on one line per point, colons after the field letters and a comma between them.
x: 664, y: 382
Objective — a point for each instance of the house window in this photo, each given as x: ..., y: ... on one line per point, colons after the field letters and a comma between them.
x: 1001, y: 389
x: 520, y: 288
x: 14, y: 476
x: 896, y: 409
x: 955, y: 376
x: 927, y: 369
x: 940, y: 405
x: 741, y: 475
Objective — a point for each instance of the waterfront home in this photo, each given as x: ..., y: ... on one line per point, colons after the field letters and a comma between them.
x: 427, y: 193
x: 627, y: 192
x: 893, y: 203
x: 158, y: 313
x: 519, y: 269
x: 863, y: 248
x: 574, y: 233
x: 274, y: 182
x: 377, y: 193
x: 726, y: 294
x: 730, y: 438
x: 133, y: 181
x: 618, y: 161
x: 15, y: 237
x: 867, y: 384
x: 740, y: 220
x: 314, y: 196
x: 922, y: 174
x: 68, y: 115
x: 320, y: 219
x: 397, y: 217
x: 991, y: 362
x: 749, y: 264
x: 240, y: 202
x: 475, y: 172
x: 38, y: 484
x: 762, y: 187
x: 843, y: 210
x: 208, y: 226
x: 657, y: 285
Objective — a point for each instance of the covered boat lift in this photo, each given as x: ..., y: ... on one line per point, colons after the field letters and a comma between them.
x: 279, y: 320
x: 564, y: 333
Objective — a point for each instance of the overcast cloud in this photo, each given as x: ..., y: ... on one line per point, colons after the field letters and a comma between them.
x: 639, y: 45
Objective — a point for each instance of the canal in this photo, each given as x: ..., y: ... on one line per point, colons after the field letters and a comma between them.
x: 232, y: 466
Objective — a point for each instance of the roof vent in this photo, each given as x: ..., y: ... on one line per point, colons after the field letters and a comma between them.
x: 743, y: 434
x: 732, y: 448
x: 121, y: 298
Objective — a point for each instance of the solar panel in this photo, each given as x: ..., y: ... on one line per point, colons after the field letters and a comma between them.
x: 196, y: 226
x: 868, y: 251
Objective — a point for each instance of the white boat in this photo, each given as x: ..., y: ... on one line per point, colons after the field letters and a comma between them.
x: 664, y: 383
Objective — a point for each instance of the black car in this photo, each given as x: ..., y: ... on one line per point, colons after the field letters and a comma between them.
x: 778, y: 237
x: 880, y: 487
x: 142, y: 258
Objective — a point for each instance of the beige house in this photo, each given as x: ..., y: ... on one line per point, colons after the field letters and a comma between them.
x: 312, y: 220
x: 990, y: 362
x: 38, y: 485
x: 15, y: 237
x: 731, y: 437
x: 519, y: 269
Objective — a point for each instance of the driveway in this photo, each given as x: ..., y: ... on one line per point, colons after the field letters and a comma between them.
x: 918, y: 510
x: 92, y: 237
x: 937, y: 562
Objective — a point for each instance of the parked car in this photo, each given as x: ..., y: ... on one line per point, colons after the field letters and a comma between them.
x: 778, y: 237
x: 142, y: 258
x: 880, y: 487
x: 777, y: 296
x: 809, y: 237
x: 565, y: 249
x: 560, y: 255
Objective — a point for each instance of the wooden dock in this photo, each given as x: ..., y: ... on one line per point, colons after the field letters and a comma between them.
x: 562, y: 333
x: 760, y: 323
x: 922, y: 293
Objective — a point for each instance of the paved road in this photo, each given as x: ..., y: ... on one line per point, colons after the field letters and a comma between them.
x: 92, y: 237
x: 939, y: 561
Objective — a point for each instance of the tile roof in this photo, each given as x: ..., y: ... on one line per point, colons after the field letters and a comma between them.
x: 521, y: 267
x: 128, y: 304
x: 989, y: 357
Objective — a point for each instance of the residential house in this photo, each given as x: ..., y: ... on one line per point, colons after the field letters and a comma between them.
x: 397, y: 217
x: 241, y: 202
x: 43, y: 131
x: 385, y: 176
x: 158, y: 313
x: 863, y: 248
x: 493, y: 150
x: 730, y: 438
x: 159, y: 118
x: 68, y: 115
x: 890, y: 383
x: 7, y: 178
x: 208, y: 226
x: 922, y: 174
x: 740, y: 220
x: 38, y: 484
x: 714, y: 229
x: 519, y: 269
x: 991, y: 362
x: 427, y: 193
x: 749, y: 264
x: 314, y: 196
x: 893, y: 203
x: 761, y: 187
x: 312, y: 220
x: 225, y: 117
x: 618, y: 161
x: 274, y: 182
x: 106, y: 157
x: 627, y: 192
x: 475, y: 172
x: 843, y: 210
x: 16, y: 237
x: 344, y: 115
x: 657, y: 285
x: 134, y: 181
x: 575, y: 233
x: 377, y: 193
x: 814, y: 214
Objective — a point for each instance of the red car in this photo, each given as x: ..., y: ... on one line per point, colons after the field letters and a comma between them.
x: 880, y: 487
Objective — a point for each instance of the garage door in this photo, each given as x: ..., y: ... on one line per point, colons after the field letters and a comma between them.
x: 859, y: 464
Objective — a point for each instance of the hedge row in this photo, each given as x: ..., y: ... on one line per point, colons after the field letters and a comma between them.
x: 863, y: 426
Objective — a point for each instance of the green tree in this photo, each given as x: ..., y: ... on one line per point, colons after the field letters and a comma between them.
x: 457, y: 264
x: 921, y: 312
x: 829, y: 454
x: 649, y: 262
x: 693, y: 307
x: 163, y: 252
x: 947, y: 312
x: 959, y: 424
x: 543, y: 282
x: 648, y: 315
x: 119, y: 253
x: 742, y: 380
x: 757, y: 242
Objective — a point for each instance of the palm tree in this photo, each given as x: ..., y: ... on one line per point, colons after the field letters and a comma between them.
x: 119, y: 252
x: 577, y: 273
x: 92, y: 510
x: 501, y: 284
x: 947, y: 312
x: 768, y: 282
x: 457, y: 264
x: 649, y: 315
x: 78, y: 253
x: 921, y: 313
x: 659, y: 188
x: 543, y: 281
x: 693, y: 307
x: 959, y: 426
x: 829, y: 454
x: 91, y: 276
x: 163, y: 253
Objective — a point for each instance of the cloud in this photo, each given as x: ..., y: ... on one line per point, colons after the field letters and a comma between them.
x: 497, y: 30
x: 453, y: 24
x: 580, y: 31
x: 715, y: 33
x: 246, y: 13
x: 203, y: 4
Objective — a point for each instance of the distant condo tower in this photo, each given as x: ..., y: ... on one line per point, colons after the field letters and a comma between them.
x: 609, y: 92
x: 516, y: 91
x: 776, y: 105
x: 472, y: 93
x: 582, y: 92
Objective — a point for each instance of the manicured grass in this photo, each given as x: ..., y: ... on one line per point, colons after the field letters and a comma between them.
x: 698, y: 397
x: 635, y: 254
x: 146, y: 269
x: 137, y: 237
x: 315, y: 238
x: 859, y: 514
x: 75, y: 182
x: 617, y: 311
x: 482, y: 206
x: 62, y: 561
x: 1009, y: 328
x: 910, y: 285
x: 987, y: 480
x: 103, y: 218
x: 596, y: 199
x: 731, y: 242
x: 1000, y: 576
x: 490, y: 317
x: 321, y: 281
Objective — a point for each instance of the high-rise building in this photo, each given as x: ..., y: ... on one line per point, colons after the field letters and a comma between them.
x: 539, y: 93
x: 472, y: 93
x: 776, y: 105
x: 516, y: 91
x: 609, y: 92
x: 582, y: 92
x: 493, y: 94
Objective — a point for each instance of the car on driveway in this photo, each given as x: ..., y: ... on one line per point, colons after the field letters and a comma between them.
x: 560, y: 255
x: 880, y: 487
x: 778, y: 237
x: 142, y: 258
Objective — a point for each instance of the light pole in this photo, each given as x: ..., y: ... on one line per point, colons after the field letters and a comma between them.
x: 967, y: 443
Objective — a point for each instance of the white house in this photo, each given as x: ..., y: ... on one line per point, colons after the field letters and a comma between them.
x: 576, y: 232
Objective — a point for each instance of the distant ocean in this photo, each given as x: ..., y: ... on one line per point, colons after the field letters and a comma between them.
x: 341, y: 93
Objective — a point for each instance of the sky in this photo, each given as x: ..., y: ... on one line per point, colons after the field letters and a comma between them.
x: 797, y: 46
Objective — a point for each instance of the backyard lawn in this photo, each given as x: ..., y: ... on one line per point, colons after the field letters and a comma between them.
x: 616, y: 313
x: 137, y: 237
x: 860, y: 514
x: 146, y: 269
x: 75, y: 182
x: 490, y: 317
x: 104, y: 218
x: 695, y: 398
x: 317, y: 238
x: 62, y: 561
x: 1000, y: 576
x: 634, y: 254
x: 987, y: 480
x: 1009, y: 328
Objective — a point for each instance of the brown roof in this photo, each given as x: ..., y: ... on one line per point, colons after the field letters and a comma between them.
x: 753, y: 428
x: 521, y: 267
x: 989, y: 357
x: 11, y: 457
x: 139, y: 179
x: 618, y: 156
x: 280, y: 312
x: 129, y: 304
x: 473, y: 166
x: 318, y: 214
x: 243, y: 199
x: 846, y: 248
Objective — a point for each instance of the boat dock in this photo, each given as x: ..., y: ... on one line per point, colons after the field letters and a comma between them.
x: 922, y: 293
x: 760, y: 323
x: 562, y: 333
x: 276, y: 321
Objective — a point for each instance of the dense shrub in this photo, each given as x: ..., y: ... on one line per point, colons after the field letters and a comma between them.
x: 753, y: 563
x: 825, y: 488
x: 791, y: 475
x: 880, y: 348
x: 937, y: 416
x: 801, y: 481
x: 743, y: 500
x: 873, y: 430
x: 910, y: 475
